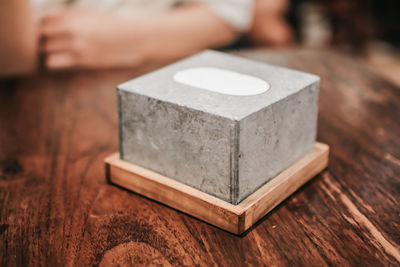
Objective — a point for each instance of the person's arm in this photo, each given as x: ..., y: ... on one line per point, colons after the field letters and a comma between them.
x: 270, y: 26
x: 86, y: 39
x: 18, y: 42
x: 184, y: 31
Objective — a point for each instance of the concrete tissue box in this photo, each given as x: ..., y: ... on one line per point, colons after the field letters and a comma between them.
x: 218, y: 123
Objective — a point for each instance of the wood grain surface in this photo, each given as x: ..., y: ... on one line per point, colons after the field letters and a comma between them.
x: 57, y: 209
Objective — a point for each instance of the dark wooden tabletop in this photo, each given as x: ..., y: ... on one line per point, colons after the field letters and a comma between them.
x: 56, y: 207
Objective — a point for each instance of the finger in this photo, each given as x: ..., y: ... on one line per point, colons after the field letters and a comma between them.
x: 55, y: 44
x: 55, y: 24
x: 54, y: 15
x: 61, y: 60
x: 55, y: 29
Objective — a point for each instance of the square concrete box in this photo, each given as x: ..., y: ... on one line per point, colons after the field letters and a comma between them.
x: 220, y: 123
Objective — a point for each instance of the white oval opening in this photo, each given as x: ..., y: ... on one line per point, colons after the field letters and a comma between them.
x: 222, y: 81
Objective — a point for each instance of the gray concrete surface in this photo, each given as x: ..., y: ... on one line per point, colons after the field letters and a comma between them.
x: 224, y: 145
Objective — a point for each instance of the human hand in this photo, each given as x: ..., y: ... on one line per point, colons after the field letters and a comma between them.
x: 88, y: 39
x: 72, y: 39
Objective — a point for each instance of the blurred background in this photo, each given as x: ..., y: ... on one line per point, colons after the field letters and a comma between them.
x: 369, y: 29
x: 129, y: 33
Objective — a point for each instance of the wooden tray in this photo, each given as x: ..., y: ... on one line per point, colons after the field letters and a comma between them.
x: 233, y: 218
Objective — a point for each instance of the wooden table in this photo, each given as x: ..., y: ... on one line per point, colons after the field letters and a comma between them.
x: 56, y: 207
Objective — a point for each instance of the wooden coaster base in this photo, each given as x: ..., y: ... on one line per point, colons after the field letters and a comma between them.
x: 233, y: 218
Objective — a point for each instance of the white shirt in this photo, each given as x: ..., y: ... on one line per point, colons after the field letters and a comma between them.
x: 237, y: 13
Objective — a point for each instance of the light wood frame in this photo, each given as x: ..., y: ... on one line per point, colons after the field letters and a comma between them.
x: 233, y: 218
